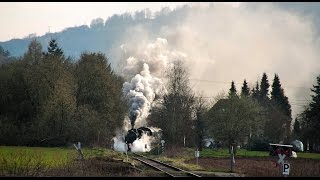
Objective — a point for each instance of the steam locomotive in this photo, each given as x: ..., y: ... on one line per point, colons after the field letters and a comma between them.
x: 134, y: 134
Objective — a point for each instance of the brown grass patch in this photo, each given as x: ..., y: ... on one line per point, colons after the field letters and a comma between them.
x: 97, y: 166
x: 262, y: 166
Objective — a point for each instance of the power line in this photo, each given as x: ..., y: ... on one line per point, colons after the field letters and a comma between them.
x: 227, y: 82
x: 299, y: 104
x: 223, y: 82
x: 305, y: 100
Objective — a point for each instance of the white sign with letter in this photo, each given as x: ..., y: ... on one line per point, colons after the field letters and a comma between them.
x: 286, y: 168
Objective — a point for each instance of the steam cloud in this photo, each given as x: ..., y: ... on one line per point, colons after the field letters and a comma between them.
x: 145, y: 87
x: 223, y: 43
x: 141, y: 92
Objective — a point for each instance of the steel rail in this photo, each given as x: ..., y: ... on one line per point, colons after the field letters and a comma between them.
x: 157, y: 165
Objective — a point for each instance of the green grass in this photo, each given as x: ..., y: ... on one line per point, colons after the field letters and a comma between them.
x: 51, y: 157
x: 308, y: 155
x: 188, y: 153
x: 224, y: 153
x: 32, y: 161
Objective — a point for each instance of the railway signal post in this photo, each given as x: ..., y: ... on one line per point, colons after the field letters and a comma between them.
x: 197, y: 154
x: 162, y: 144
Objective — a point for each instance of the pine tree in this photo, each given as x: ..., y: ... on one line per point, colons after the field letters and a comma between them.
x: 54, y: 50
x: 233, y: 90
x: 280, y: 103
x: 245, y: 91
x: 296, y: 128
x: 264, y: 89
x: 255, y: 92
x: 315, y: 104
x: 313, y: 114
x: 278, y: 97
x: 277, y: 91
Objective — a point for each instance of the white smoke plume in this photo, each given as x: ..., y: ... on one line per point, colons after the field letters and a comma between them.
x: 143, y: 144
x: 153, y: 58
x: 119, y: 144
x: 141, y: 92
x: 157, y: 55
x: 147, y: 66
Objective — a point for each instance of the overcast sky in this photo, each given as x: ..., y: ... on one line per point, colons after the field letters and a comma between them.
x: 18, y: 19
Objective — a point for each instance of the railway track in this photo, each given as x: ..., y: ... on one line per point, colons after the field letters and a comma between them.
x: 161, y: 166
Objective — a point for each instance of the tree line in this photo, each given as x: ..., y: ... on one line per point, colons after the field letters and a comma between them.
x: 253, y: 118
x: 276, y: 115
x: 50, y: 100
x: 47, y: 99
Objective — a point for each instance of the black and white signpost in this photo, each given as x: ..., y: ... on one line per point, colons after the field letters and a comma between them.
x: 284, y: 166
x: 197, y: 154
x: 162, y: 144
x: 286, y: 169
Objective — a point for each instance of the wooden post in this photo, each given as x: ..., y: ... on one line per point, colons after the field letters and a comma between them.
x: 78, y: 148
x: 232, y: 161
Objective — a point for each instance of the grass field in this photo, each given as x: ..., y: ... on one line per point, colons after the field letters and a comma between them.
x: 308, y: 155
x: 223, y: 153
x: 32, y: 161
x: 39, y: 161
x: 51, y: 157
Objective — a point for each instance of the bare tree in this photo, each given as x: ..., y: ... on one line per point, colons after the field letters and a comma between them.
x: 175, y: 114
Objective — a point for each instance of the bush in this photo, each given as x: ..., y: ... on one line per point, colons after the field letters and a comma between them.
x: 258, y: 143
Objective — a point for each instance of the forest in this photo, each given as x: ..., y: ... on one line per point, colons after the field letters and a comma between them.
x: 47, y: 99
